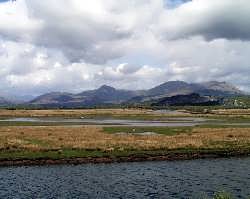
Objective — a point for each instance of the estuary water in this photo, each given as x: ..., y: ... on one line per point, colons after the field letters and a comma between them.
x: 176, y: 179
x: 182, y: 121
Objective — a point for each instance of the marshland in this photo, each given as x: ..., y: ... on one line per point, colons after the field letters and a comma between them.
x: 64, y: 138
x: 33, y: 135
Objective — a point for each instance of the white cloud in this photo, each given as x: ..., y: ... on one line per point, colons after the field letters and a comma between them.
x: 84, y: 30
x: 211, y: 19
x: 74, y: 45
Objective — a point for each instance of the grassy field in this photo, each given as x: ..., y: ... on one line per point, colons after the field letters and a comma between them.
x: 155, y: 130
x: 71, y: 113
x: 92, y: 113
x: 89, y: 141
x: 25, y: 140
x: 121, y: 112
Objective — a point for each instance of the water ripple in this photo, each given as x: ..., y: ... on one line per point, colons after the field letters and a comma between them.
x: 178, y: 179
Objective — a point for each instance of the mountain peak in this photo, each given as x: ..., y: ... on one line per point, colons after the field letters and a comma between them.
x: 171, y: 88
x: 222, y: 86
x: 106, y: 88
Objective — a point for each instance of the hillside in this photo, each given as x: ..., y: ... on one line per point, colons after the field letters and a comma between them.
x: 106, y: 95
x: 192, y: 99
x: 101, y: 96
x: 173, y: 88
x: 4, y: 101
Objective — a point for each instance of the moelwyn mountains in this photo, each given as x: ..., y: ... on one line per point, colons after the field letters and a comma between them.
x: 106, y: 95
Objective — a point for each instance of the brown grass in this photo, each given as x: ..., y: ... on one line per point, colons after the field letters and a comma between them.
x: 84, y: 112
x: 117, y: 112
x: 68, y: 113
x: 91, y: 137
x: 229, y: 112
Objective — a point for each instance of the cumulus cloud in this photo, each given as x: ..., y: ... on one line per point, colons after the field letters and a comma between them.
x: 94, y: 31
x: 211, y: 19
x: 25, y: 68
x: 76, y: 45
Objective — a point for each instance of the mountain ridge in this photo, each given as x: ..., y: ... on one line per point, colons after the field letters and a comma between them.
x: 192, y: 99
x: 4, y: 101
x: 173, y: 88
x: 101, y: 96
x: 105, y: 94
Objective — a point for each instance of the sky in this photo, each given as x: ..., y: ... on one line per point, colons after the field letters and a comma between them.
x: 75, y: 45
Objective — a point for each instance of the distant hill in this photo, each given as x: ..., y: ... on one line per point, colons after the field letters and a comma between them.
x: 52, y: 98
x: 106, y: 95
x: 173, y: 88
x: 219, y: 88
x: 192, y: 99
x: 5, y: 102
x: 101, y: 96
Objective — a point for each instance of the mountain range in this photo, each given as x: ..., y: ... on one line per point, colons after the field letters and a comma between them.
x: 173, y: 88
x: 101, y: 96
x: 107, y: 95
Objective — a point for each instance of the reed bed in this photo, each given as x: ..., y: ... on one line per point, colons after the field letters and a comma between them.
x: 90, y: 112
x: 94, y: 138
x: 69, y: 113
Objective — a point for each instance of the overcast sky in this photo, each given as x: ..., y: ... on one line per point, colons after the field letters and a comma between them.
x: 74, y: 45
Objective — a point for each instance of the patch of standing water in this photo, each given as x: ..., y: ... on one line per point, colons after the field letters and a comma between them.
x: 134, y: 133
x: 83, y: 121
x: 165, y: 111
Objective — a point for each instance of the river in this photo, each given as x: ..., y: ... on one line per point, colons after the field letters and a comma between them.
x: 176, y: 179
x: 181, y: 121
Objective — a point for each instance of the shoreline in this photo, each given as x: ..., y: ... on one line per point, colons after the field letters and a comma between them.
x: 122, y: 159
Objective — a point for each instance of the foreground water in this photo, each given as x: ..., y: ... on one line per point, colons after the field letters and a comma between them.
x: 177, y: 179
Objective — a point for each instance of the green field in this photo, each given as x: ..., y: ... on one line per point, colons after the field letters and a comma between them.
x: 158, y: 130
